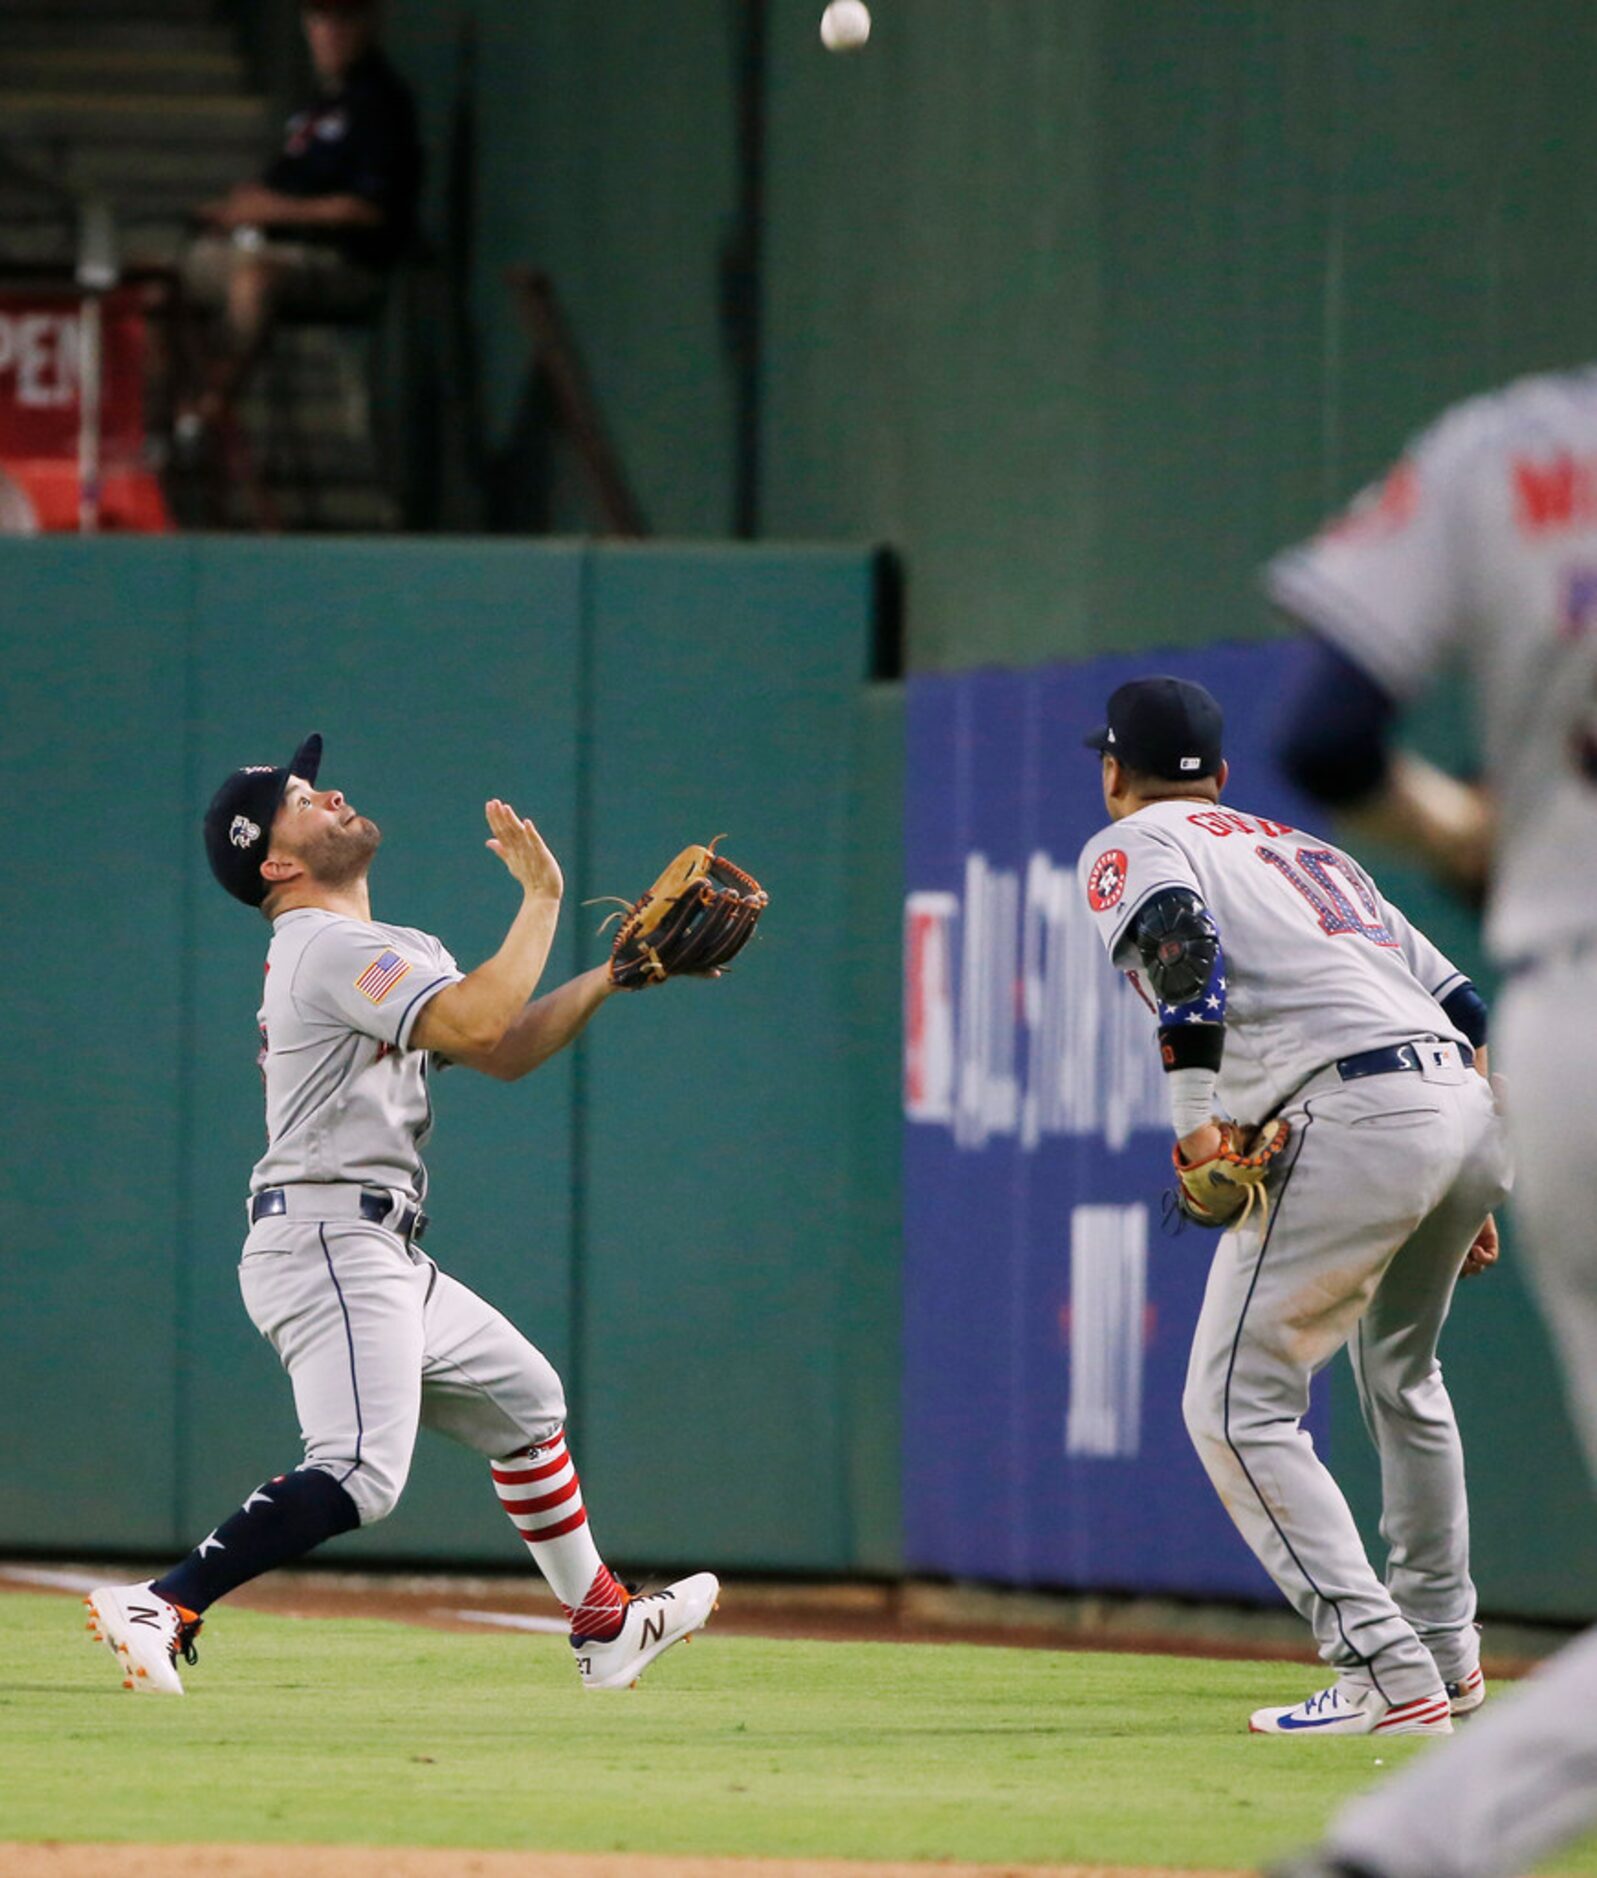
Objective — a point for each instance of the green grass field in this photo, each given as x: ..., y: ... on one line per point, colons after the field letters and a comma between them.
x: 378, y: 1733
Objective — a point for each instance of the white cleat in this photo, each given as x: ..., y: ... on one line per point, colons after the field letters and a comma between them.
x: 1467, y: 1694
x: 1344, y: 1709
x: 144, y: 1633
x: 652, y: 1623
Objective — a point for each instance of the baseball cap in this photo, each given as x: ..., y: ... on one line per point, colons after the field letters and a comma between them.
x: 238, y: 824
x: 1166, y: 727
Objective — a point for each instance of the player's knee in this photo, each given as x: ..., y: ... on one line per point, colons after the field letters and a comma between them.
x: 375, y: 1488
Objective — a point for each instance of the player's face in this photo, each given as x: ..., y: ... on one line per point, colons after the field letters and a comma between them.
x: 336, y: 40
x: 320, y: 830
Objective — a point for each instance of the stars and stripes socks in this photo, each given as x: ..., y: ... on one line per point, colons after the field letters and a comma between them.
x: 281, y: 1520
x: 538, y: 1487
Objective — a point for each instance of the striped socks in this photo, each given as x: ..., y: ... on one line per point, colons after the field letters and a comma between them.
x: 540, y: 1491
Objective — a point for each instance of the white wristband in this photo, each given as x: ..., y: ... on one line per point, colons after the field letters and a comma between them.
x: 1191, y: 1099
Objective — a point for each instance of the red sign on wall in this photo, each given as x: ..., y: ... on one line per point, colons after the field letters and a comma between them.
x: 40, y: 355
x: 41, y: 359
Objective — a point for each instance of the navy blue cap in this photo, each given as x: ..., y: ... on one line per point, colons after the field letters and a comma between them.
x: 238, y: 824
x: 1165, y: 727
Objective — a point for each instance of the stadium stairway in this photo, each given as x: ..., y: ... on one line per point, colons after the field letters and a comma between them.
x: 148, y: 104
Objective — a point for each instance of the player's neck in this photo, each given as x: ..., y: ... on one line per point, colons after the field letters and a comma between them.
x: 352, y: 901
x: 1133, y: 803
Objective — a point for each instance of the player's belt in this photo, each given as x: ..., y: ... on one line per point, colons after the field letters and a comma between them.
x: 330, y: 1202
x: 1395, y: 1056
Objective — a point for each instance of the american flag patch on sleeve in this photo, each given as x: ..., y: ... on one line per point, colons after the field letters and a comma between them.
x: 380, y: 977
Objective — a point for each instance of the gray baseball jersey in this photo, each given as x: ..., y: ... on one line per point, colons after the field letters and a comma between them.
x: 346, y: 1096
x: 1318, y: 965
x: 1388, y: 1176
x: 1483, y: 541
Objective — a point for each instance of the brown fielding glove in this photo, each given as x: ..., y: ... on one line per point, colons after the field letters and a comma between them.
x: 1224, y: 1189
x: 696, y: 917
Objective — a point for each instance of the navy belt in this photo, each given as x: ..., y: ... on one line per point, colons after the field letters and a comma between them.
x: 1395, y: 1056
x: 410, y: 1222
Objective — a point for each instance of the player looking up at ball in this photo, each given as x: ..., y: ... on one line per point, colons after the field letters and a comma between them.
x: 376, y: 1338
x: 1297, y: 1003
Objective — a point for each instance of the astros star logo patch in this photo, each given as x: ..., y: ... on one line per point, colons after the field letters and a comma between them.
x: 1107, y: 880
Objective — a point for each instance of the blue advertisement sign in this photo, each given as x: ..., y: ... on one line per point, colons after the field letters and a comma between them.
x: 1048, y: 1312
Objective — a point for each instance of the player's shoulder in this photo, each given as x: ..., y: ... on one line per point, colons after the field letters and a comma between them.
x: 413, y: 941
x: 294, y: 930
x: 1128, y: 859
x: 1537, y: 410
x: 1129, y: 832
x: 313, y: 942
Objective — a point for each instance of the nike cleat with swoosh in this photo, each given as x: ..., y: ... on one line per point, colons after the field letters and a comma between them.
x: 1344, y: 1709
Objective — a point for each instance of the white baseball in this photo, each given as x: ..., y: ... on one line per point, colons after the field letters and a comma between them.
x: 845, y: 25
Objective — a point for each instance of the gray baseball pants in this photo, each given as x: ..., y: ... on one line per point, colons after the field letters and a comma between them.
x: 377, y: 1341
x: 1521, y: 1779
x: 1389, y: 1180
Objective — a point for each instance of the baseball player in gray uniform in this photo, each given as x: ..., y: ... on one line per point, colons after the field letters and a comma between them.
x: 1482, y: 542
x: 1285, y: 987
x: 356, y: 1018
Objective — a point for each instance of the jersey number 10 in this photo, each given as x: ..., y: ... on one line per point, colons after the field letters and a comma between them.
x: 1315, y: 877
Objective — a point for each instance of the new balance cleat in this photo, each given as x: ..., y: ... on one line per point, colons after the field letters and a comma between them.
x: 1468, y: 1694
x: 145, y: 1634
x: 1344, y: 1709
x: 652, y: 1623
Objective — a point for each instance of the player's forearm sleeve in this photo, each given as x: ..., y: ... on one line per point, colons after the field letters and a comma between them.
x: 1191, y: 1094
x: 1332, y: 736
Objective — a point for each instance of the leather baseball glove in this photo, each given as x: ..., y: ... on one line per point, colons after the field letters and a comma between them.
x: 693, y: 921
x: 1223, y: 1190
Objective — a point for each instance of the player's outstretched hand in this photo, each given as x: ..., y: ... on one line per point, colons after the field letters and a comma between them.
x: 523, y: 850
x: 1482, y: 1255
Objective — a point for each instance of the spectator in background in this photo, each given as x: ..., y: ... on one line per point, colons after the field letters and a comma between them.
x: 316, y: 234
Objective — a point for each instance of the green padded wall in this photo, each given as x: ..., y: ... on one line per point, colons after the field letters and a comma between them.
x: 1085, y: 307
x: 693, y: 1266
x: 92, y: 938
x: 1088, y: 308
x: 872, y: 1053
x: 604, y: 156
x: 718, y: 1234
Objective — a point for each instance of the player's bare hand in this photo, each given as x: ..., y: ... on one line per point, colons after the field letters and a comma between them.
x: 1201, y: 1145
x: 524, y: 851
x: 1482, y: 1255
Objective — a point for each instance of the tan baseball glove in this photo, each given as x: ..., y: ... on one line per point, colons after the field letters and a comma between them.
x: 694, y: 920
x: 1223, y: 1190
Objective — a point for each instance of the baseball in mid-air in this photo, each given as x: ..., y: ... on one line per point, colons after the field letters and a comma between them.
x: 845, y: 25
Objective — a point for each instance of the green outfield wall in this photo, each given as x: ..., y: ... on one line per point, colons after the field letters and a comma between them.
x: 696, y: 1212
x: 668, y: 1209
x: 1085, y: 307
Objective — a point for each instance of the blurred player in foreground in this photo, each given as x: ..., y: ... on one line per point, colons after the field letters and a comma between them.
x: 356, y: 1018
x: 1483, y: 542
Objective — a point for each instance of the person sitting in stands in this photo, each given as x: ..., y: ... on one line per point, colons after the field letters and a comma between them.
x: 336, y: 209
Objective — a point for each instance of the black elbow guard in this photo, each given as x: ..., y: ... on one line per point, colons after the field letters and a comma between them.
x: 1178, y: 943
